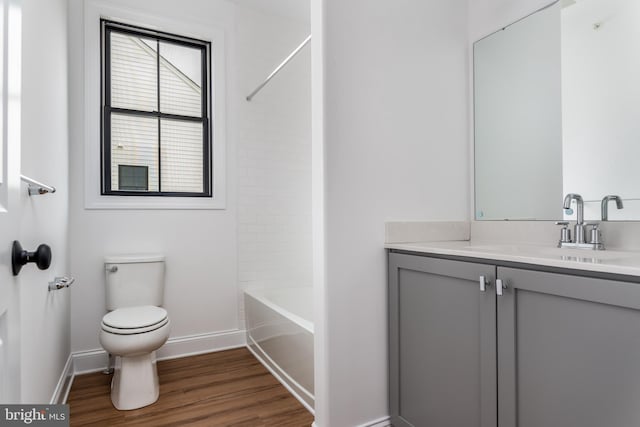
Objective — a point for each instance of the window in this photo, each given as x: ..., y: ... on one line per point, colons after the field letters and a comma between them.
x: 155, y: 128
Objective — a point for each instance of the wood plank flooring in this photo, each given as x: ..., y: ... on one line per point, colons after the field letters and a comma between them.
x: 228, y: 388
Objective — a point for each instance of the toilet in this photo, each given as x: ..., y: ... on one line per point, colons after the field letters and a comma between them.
x: 135, y: 326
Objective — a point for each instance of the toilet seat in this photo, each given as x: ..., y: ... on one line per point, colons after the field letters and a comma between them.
x: 134, y: 320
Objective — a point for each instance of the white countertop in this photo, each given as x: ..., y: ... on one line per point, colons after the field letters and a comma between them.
x: 606, y: 261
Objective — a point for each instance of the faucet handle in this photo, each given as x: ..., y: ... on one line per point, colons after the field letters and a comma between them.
x: 565, y: 233
x: 596, y: 235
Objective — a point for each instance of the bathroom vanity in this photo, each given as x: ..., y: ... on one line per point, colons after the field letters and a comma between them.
x: 513, y: 335
x: 524, y: 335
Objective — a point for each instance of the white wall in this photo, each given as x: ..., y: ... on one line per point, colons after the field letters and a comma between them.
x: 395, y: 134
x: 200, y: 245
x: 44, y: 315
x: 488, y: 16
x: 274, y: 153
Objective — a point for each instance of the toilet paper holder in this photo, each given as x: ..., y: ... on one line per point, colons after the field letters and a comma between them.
x: 61, y: 282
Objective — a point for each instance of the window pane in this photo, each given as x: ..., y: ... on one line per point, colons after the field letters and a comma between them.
x: 181, y: 156
x: 134, y: 142
x: 133, y: 178
x: 134, y: 73
x: 180, y: 80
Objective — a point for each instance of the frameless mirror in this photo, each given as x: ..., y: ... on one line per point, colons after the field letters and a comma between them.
x: 556, y: 112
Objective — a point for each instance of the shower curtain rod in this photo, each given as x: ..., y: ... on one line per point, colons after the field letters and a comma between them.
x: 279, y: 67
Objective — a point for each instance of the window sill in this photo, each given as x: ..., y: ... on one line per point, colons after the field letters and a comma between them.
x: 153, y: 203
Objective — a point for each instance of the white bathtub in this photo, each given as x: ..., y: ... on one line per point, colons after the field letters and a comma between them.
x: 280, y: 335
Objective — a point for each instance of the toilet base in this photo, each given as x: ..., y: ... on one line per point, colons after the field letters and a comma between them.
x: 135, y: 382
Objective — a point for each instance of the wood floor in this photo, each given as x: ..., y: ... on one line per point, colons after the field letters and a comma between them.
x: 228, y: 388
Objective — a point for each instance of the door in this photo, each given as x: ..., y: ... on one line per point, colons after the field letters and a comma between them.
x: 10, y: 87
x: 442, y: 341
x: 568, y: 351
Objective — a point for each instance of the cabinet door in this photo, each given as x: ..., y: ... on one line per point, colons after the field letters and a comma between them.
x: 568, y: 351
x: 442, y: 343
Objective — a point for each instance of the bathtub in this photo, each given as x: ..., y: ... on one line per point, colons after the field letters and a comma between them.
x: 280, y: 334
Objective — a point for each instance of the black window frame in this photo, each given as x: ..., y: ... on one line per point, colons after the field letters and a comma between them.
x: 107, y: 27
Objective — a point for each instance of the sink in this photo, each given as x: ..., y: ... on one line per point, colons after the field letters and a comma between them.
x: 568, y: 254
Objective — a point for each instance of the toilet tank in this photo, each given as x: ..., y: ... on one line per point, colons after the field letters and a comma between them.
x: 134, y: 280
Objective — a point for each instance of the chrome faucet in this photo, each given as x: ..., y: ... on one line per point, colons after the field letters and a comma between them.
x: 579, y: 228
x: 580, y: 241
x: 605, y: 205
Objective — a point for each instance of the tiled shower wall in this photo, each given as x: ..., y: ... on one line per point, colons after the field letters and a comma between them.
x: 274, y: 155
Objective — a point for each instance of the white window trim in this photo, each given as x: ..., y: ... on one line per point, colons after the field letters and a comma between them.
x: 94, y: 11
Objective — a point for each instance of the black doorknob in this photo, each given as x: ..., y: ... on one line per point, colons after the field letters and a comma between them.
x: 19, y: 257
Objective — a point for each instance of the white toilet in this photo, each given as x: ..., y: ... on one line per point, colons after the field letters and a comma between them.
x: 135, y: 327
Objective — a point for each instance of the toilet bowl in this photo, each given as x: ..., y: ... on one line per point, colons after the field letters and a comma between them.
x: 135, y: 327
x: 134, y: 334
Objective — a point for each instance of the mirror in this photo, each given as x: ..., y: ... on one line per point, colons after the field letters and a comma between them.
x: 556, y: 111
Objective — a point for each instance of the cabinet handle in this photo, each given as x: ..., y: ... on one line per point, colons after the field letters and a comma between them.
x: 500, y: 285
x: 484, y: 282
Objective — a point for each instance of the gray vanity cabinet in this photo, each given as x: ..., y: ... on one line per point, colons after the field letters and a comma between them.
x: 568, y: 351
x: 554, y: 350
x: 442, y: 341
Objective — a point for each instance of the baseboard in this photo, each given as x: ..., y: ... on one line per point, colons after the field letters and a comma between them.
x: 380, y: 422
x: 88, y: 361
x: 96, y: 360
x: 61, y: 392
x: 192, y: 345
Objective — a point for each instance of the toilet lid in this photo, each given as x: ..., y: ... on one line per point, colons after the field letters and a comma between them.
x: 135, y: 317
